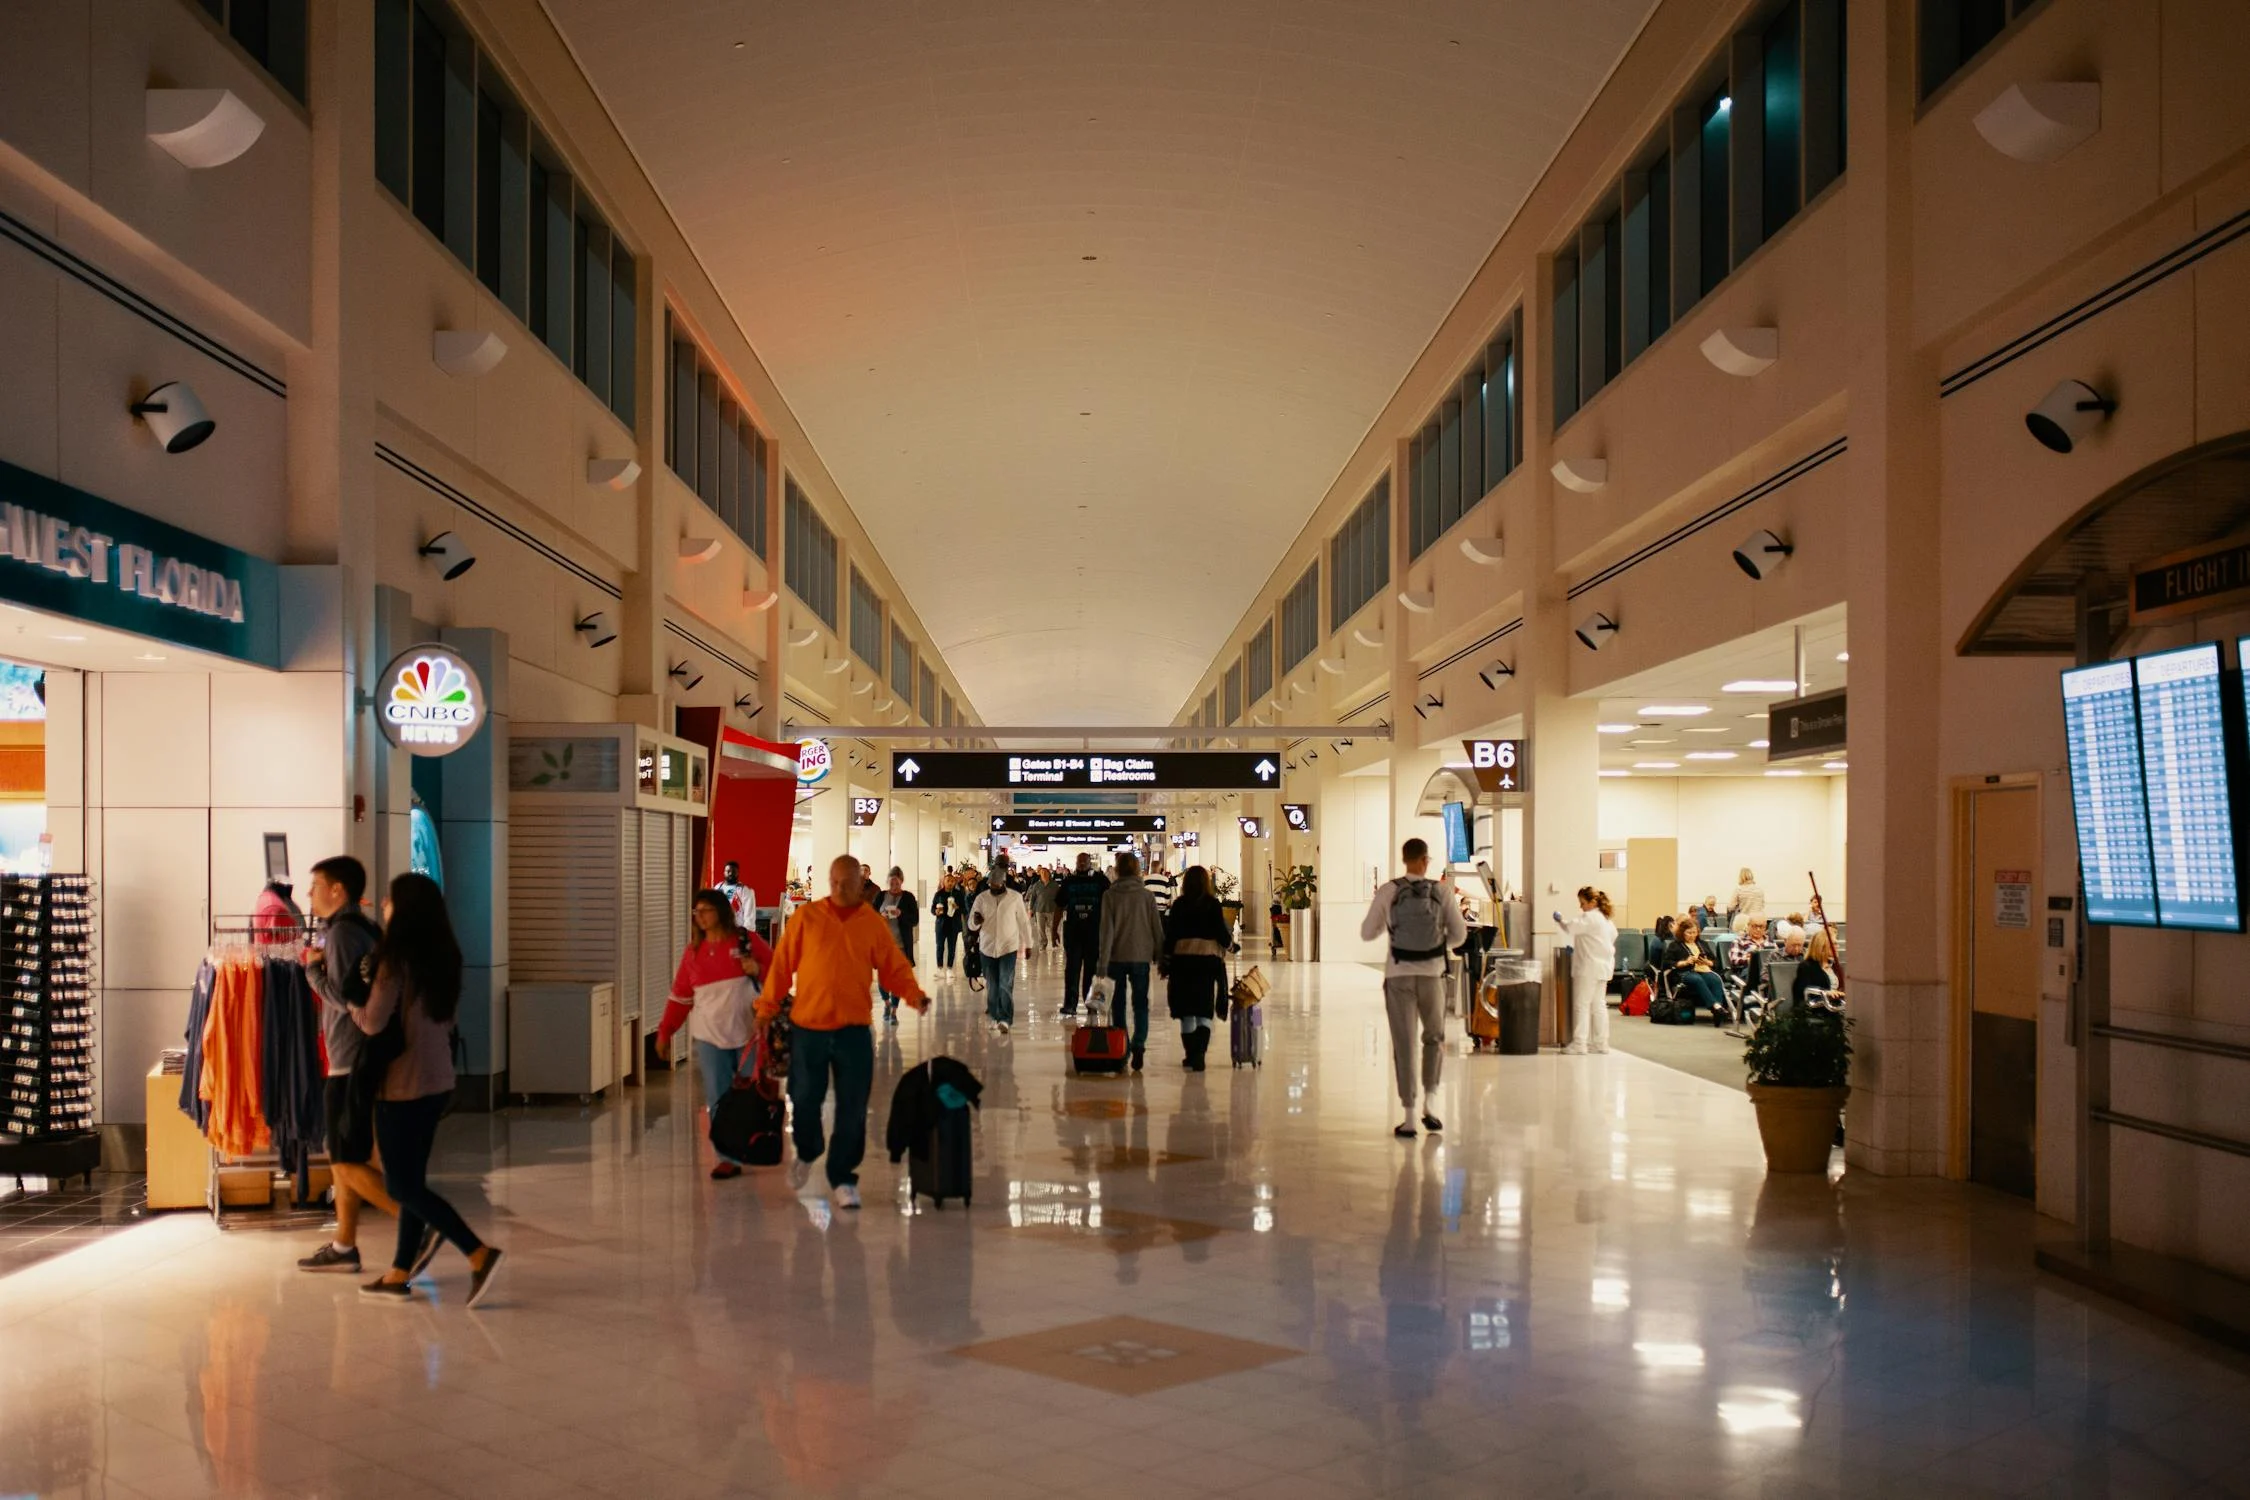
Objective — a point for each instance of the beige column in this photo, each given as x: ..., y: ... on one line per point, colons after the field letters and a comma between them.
x: 1895, y: 1119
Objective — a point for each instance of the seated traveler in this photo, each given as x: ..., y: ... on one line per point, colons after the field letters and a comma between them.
x: 1817, y: 980
x: 1688, y: 972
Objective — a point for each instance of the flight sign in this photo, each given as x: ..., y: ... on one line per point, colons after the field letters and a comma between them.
x: 1038, y: 823
x: 865, y: 810
x: 1298, y: 815
x: 1497, y: 764
x: 1158, y: 770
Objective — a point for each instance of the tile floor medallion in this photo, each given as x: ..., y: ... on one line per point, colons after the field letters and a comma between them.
x: 1128, y: 1356
x: 1587, y: 1287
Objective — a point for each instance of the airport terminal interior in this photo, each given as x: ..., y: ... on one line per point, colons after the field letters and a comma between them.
x: 1269, y: 748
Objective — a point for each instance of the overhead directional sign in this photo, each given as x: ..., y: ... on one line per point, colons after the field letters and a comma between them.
x: 1298, y: 815
x: 1037, y: 823
x: 1073, y: 840
x: 1158, y: 770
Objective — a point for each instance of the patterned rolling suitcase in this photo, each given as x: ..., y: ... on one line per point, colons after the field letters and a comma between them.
x: 1246, y: 1035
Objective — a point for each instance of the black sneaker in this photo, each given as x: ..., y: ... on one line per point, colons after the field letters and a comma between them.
x: 1432, y: 1124
x: 329, y: 1258
x: 480, y: 1282
x: 387, y: 1291
x: 425, y: 1252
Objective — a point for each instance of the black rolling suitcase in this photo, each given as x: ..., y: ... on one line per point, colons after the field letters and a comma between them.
x: 942, y: 1164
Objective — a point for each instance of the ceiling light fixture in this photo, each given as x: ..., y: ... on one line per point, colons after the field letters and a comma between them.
x: 1656, y: 765
x: 1843, y: 656
x: 1761, y: 685
x: 1672, y: 710
x: 1711, y: 755
x: 1615, y: 728
x: 1614, y: 773
x: 1760, y: 744
x: 1835, y: 765
x: 1785, y: 773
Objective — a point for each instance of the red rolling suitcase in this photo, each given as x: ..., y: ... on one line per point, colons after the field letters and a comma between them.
x: 1097, y: 1046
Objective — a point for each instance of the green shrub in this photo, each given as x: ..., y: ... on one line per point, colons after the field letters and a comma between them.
x: 1800, y: 1048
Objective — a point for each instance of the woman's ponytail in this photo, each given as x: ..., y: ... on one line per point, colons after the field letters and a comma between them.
x: 1599, y: 898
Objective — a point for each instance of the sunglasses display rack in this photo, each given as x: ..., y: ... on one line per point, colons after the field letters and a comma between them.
x: 46, y: 1024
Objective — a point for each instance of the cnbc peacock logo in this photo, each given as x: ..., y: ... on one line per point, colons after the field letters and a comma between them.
x: 434, y: 704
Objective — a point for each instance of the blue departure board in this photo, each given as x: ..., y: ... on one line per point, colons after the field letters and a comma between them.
x: 2106, y: 795
x: 2184, y: 765
x: 1456, y: 815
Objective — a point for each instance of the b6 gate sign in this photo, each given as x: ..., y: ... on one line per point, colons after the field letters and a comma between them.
x: 1497, y: 764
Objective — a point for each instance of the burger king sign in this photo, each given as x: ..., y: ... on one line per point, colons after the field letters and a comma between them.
x: 813, y: 761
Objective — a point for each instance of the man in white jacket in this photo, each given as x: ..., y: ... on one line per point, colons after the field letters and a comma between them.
x: 1421, y: 922
x: 1002, y: 925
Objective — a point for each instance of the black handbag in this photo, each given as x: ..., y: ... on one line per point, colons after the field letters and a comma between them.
x: 748, y: 1126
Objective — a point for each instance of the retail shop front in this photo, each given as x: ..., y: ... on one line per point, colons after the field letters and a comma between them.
x: 174, y: 721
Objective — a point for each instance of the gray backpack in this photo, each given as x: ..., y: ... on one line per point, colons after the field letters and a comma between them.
x: 1417, y: 920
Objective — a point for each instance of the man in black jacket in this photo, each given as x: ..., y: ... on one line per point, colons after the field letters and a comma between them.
x: 1080, y: 901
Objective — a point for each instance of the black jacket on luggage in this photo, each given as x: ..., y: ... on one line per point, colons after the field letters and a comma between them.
x: 1195, y: 978
x: 915, y: 1106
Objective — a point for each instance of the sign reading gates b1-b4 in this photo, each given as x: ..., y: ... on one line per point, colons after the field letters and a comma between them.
x: 1156, y: 770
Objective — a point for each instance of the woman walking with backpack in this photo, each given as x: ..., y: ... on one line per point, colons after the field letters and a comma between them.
x: 408, y: 1018
x: 1421, y: 922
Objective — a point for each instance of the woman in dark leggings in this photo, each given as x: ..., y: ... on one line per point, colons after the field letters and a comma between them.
x: 1693, y: 967
x: 416, y: 992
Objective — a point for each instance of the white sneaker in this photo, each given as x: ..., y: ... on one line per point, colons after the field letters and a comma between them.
x: 1603, y: 1047
x: 1575, y: 1049
x: 846, y: 1196
x: 800, y: 1171
x: 1003, y: 1028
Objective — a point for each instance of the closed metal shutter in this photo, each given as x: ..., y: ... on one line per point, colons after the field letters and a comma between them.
x: 562, y: 878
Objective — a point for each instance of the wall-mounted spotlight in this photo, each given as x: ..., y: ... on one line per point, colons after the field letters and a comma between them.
x: 1595, y: 630
x: 612, y: 473
x: 1495, y: 674
x: 747, y: 706
x: 2071, y: 411
x: 597, y: 629
x: 1311, y: 755
x: 1760, y: 553
x: 1428, y: 702
x: 200, y: 128
x: 449, y: 555
x: 467, y: 352
x: 688, y: 679
x: 175, y: 414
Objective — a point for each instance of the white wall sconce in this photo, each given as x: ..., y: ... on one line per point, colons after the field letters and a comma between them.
x: 2071, y: 411
x: 804, y: 637
x: 862, y: 689
x: 1495, y: 674
x: 1306, y: 683
x: 449, y: 555
x: 467, y: 353
x: 597, y: 629
x: 758, y: 601
x: 1761, y: 554
x: 1333, y: 665
x: 686, y: 676
x: 1743, y: 351
x: 200, y: 128
x: 1372, y: 639
x: 1584, y: 475
x: 1420, y: 601
x: 698, y: 549
x: 175, y: 414
x: 2041, y: 121
x: 837, y: 665
x: 1595, y: 630
x: 612, y: 473
x: 1490, y: 551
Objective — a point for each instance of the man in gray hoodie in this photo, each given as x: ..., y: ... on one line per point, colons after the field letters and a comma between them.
x: 1132, y: 940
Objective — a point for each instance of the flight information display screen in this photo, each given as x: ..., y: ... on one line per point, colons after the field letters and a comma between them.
x: 2106, y: 794
x: 2184, y: 765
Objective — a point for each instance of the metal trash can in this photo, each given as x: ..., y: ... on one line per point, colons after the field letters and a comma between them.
x: 1519, y: 1015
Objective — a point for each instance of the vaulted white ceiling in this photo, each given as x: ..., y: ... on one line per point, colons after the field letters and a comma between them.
x: 1086, y: 302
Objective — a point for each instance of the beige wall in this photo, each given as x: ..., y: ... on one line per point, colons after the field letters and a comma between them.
x: 1779, y: 827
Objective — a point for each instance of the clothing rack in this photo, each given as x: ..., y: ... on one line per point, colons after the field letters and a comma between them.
x: 264, y: 1175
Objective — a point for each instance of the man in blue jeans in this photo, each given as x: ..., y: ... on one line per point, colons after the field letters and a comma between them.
x: 1132, y: 939
x: 1001, y: 924
x: 827, y: 954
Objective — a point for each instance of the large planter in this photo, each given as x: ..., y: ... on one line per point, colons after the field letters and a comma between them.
x: 1797, y: 1126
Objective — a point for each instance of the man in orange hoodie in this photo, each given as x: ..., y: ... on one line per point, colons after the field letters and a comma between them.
x: 828, y: 952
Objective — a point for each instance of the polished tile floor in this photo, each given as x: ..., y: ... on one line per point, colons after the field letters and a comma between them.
x: 39, y: 1221
x: 1228, y: 1284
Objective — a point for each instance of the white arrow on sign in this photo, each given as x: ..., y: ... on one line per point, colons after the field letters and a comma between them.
x: 1160, y: 823
x: 1263, y: 770
x: 909, y: 768
x: 998, y: 824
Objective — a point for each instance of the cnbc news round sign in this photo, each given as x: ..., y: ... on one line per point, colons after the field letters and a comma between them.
x: 430, y: 702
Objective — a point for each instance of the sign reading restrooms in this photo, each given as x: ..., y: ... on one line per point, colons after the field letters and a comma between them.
x: 430, y: 701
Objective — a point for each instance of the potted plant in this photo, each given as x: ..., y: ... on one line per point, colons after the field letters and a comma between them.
x: 1296, y: 891
x: 1227, y: 889
x: 1800, y: 1062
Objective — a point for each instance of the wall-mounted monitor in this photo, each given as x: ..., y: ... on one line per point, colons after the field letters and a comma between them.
x: 2184, y: 766
x: 1457, y: 847
x: 2107, y: 797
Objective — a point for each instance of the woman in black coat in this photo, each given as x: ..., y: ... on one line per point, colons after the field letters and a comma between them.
x: 1196, y: 940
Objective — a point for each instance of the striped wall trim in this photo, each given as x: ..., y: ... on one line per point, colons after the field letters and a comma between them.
x: 80, y: 269
x: 1826, y: 453
x: 494, y: 519
x: 1471, y: 649
x: 673, y: 627
x: 2124, y: 289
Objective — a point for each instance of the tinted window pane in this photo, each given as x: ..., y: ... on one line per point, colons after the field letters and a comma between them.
x: 624, y: 332
x: 1714, y: 259
x: 394, y: 96
x: 1566, y: 338
x: 429, y: 122
x: 1784, y: 119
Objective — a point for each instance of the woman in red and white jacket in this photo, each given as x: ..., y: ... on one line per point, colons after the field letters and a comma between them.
x: 713, y: 996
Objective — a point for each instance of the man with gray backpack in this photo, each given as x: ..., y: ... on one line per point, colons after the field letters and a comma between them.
x: 1421, y: 921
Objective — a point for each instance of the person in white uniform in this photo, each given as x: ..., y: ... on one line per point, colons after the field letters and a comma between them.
x: 1593, y: 956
